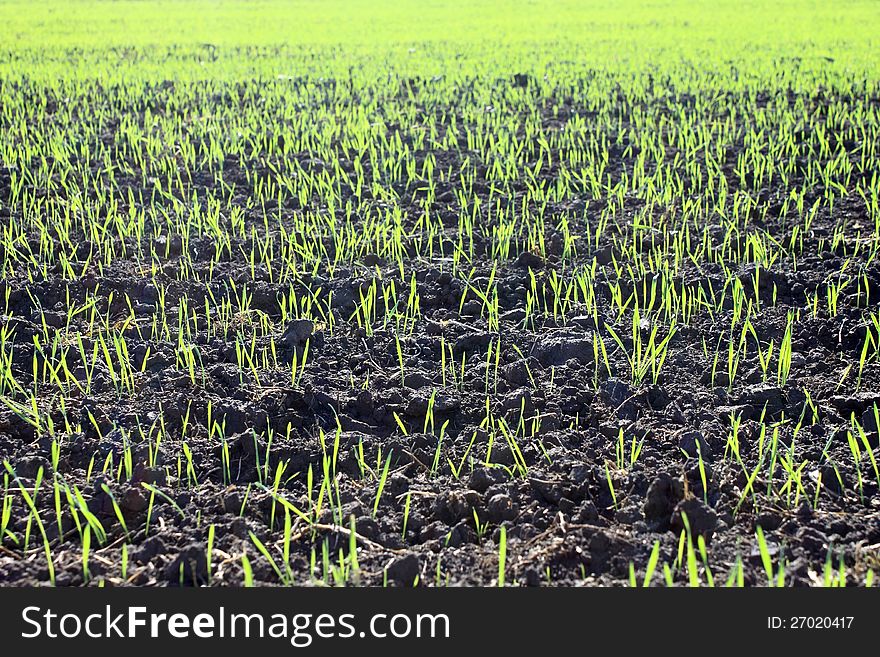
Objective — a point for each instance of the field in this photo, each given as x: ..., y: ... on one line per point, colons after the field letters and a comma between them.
x: 439, y: 293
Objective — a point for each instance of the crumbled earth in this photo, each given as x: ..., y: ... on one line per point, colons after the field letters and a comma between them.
x: 570, y: 510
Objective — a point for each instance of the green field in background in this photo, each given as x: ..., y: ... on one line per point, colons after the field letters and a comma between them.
x: 202, y: 37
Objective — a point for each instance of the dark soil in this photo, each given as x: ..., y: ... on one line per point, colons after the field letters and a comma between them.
x: 563, y: 526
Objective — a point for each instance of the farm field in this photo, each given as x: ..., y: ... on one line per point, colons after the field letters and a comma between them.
x: 439, y: 293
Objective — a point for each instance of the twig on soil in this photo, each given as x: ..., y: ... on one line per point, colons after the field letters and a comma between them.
x: 421, y: 493
x: 9, y: 552
x: 416, y: 459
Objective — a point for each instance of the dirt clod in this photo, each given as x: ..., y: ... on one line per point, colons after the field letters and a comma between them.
x: 701, y: 519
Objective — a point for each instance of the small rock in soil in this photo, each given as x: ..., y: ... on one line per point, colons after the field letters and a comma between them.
x: 615, y: 392
x: 662, y: 496
x: 701, y: 518
x: 530, y: 577
x: 297, y: 332
x: 473, y: 342
x: 404, y: 570
x: 367, y: 527
x: 155, y: 476
x: 548, y: 491
x: 813, y: 540
x: 28, y: 466
x: 417, y: 380
x: 744, y: 412
x: 472, y: 308
x: 527, y: 259
x: 559, y: 349
x: 501, y: 508
x: 144, y: 553
x: 768, y: 521
x: 657, y: 397
x: 481, y: 478
x: 628, y: 515
x: 461, y: 534
x: 433, y: 531
x: 516, y: 373
x: 588, y: 513
x: 452, y: 506
x: 859, y: 403
x: 761, y: 394
x: 189, y: 567
x: 694, y: 444
x: 833, y: 480
x: 133, y: 501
